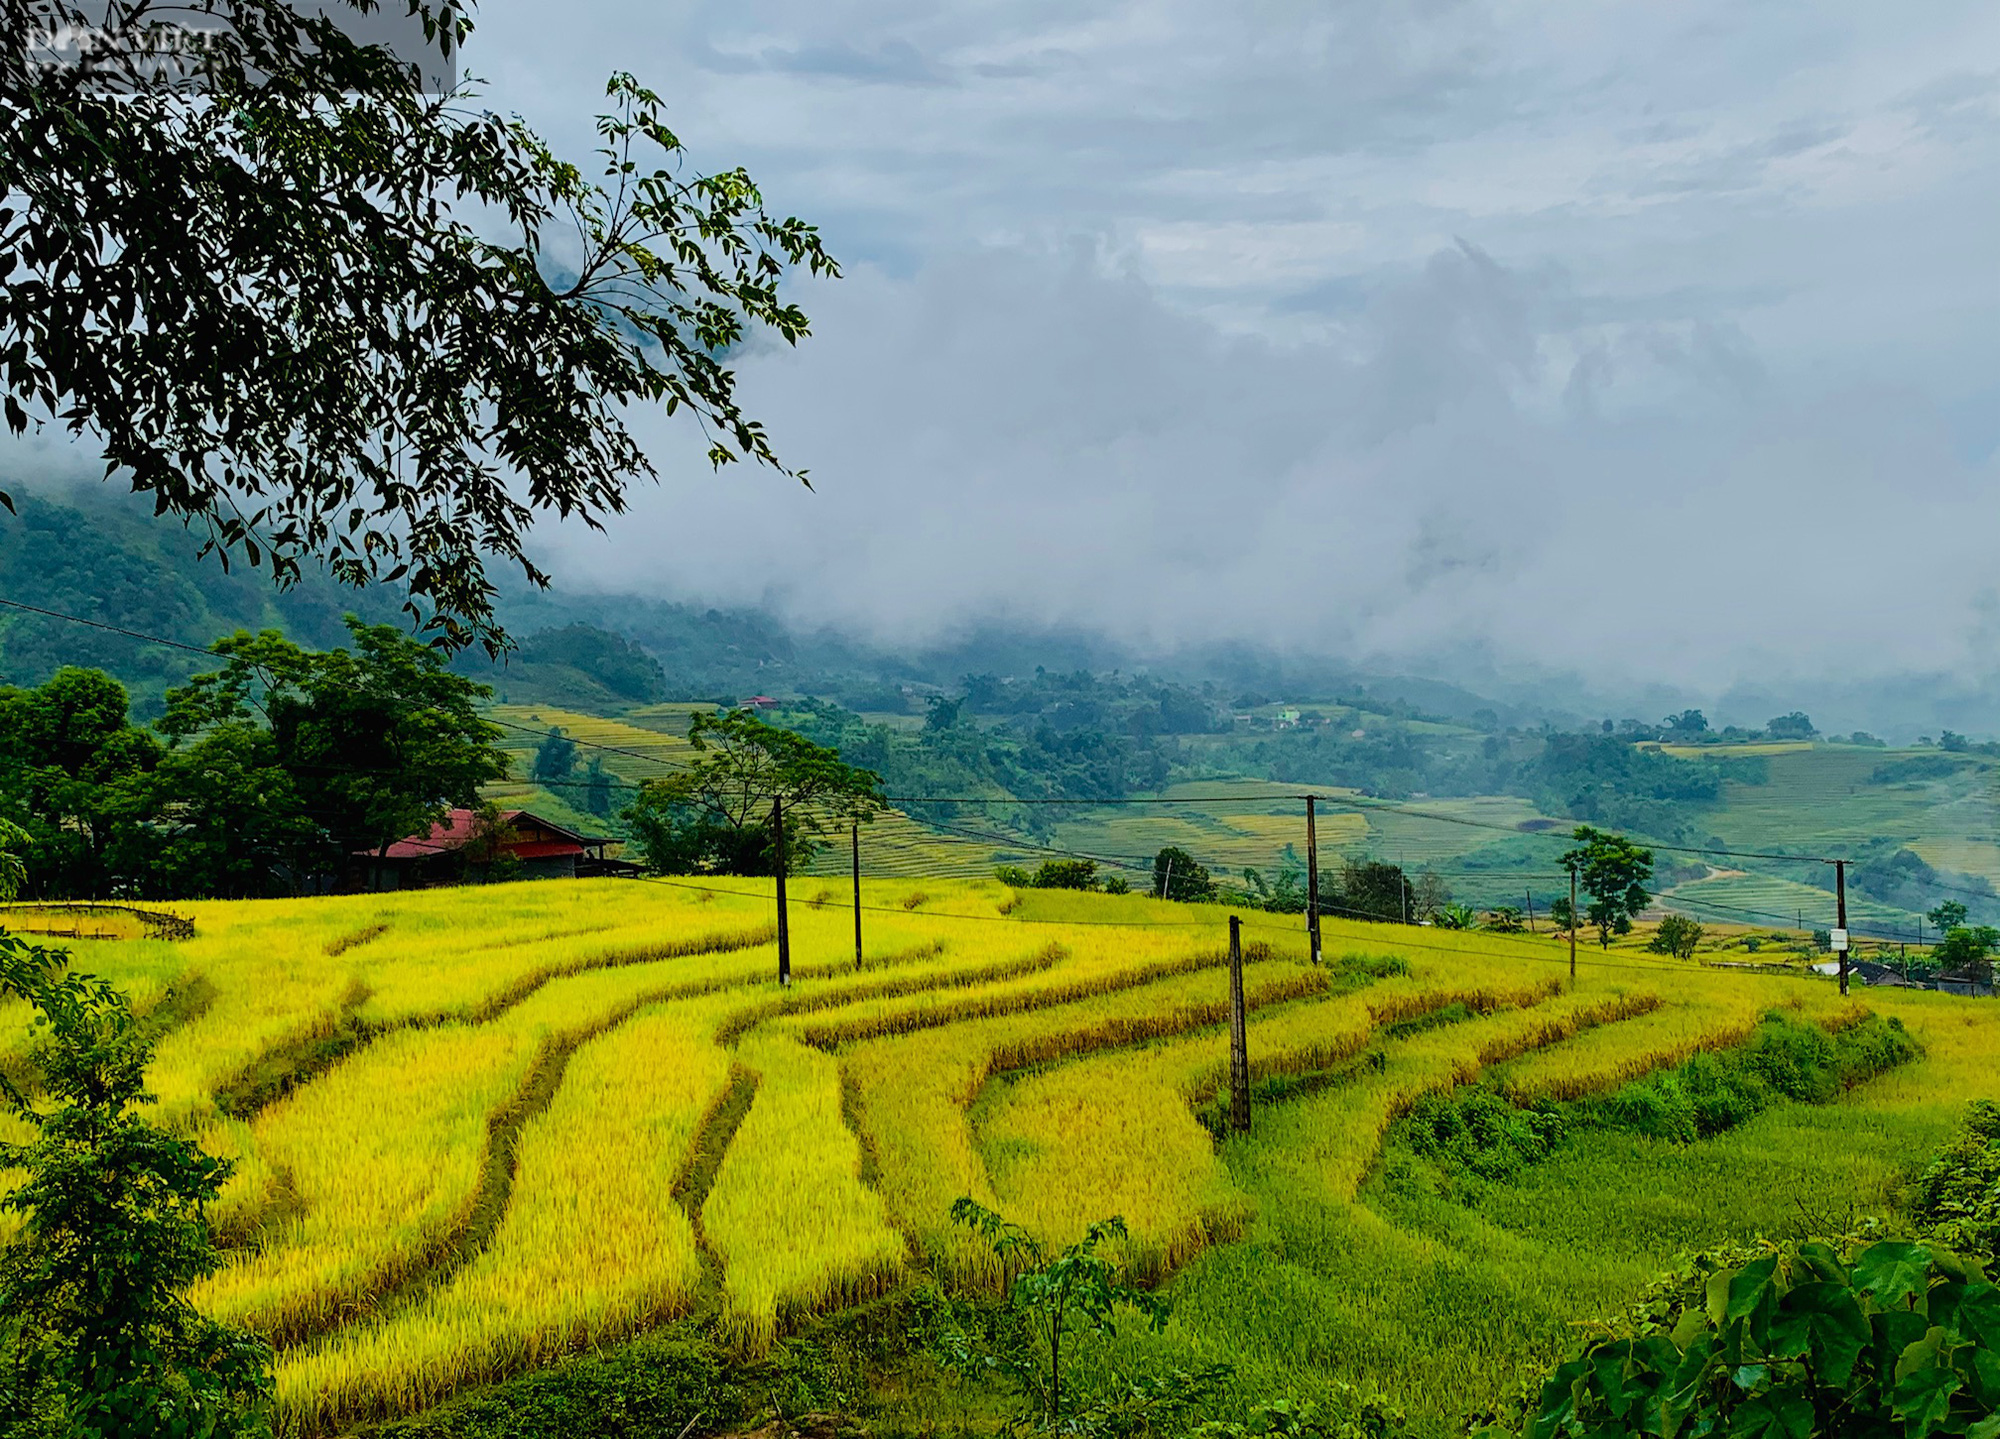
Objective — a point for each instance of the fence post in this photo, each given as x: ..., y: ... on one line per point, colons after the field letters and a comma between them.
x: 1239, y: 1045
x: 784, y: 919
x: 857, y: 897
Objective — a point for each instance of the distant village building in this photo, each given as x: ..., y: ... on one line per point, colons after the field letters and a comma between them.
x: 541, y: 848
x: 1288, y: 719
x: 759, y: 702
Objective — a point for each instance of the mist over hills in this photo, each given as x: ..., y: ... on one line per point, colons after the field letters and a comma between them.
x: 90, y: 551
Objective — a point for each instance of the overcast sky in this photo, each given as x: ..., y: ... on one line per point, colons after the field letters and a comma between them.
x: 1661, y: 340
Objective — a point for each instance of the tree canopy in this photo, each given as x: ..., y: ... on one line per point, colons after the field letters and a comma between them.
x: 1614, y: 872
x: 324, y: 314
x: 715, y: 816
x: 277, y: 768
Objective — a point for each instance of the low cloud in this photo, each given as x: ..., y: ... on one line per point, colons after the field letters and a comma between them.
x: 1477, y: 465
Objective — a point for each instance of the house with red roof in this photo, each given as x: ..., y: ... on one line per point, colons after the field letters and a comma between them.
x: 458, y: 849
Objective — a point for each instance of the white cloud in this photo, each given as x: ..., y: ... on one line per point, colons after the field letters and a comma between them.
x: 1158, y: 318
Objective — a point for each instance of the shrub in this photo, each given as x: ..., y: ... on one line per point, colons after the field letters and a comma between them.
x: 1066, y: 874
x: 1885, y: 1338
x: 1015, y: 875
x: 1958, y: 1196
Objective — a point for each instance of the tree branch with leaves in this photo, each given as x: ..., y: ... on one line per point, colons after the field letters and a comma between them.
x: 325, y: 315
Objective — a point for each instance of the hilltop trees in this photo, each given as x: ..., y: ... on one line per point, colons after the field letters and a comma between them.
x: 313, y: 310
x: 715, y: 816
x: 1614, y: 872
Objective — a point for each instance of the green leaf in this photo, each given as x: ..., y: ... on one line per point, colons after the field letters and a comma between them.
x: 1925, y: 1383
x: 1748, y: 1285
x: 1823, y: 1262
x: 1825, y: 1321
x: 1987, y: 1428
x: 1783, y: 1414
x: 1892, y: 1271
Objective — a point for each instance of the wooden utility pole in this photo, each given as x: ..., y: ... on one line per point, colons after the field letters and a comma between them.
x: 857, y: 897
x: 1840, y: 917
x: 784, y: 920
x: 1530, y: 896
x: 1572, y: 929
x: 1312, y: 877
x: 1239, y: 1044
x: 1167, y: 884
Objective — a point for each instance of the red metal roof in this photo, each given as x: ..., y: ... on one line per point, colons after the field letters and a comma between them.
x: 456, y: 831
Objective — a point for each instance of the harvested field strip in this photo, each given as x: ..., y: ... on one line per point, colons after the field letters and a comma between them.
x: 592, y: 1246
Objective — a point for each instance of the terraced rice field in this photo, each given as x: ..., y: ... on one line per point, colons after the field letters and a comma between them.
x: 479, y: 1129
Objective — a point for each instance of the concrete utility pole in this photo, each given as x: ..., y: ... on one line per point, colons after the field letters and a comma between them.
x: 1312, y: 877
x: 1239, y: 1044
x: 784, y: 919
x: 1840, y: 918
x: 857, y: 897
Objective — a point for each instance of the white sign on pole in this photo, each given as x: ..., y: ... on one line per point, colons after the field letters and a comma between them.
x: 1838, y: 940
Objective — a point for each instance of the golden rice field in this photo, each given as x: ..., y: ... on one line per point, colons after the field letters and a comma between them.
x: 479, y: 1129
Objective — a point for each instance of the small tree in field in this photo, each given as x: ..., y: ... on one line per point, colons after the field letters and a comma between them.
x: 1677, y: 935
x: 104, y: 1341
x: 1614, y: 872
x: 1077, y: 1289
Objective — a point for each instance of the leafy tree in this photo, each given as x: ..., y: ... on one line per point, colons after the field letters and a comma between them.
x: 1178, y: 875
x: 1066, y: 874
x: 1795, y: 725
x: 1947, y: 916
x: 1677, y: 935
x: 1614, y: 872
x: 105, y: 1341
x: 1560, y: 914
x: 940, y: 713
x: 1455, y: 916
x: 1013, y: 874
x: 315, y: 310
x: 1077, y: 1289
x: 65, y: 748
x: 1688, y: 724
x: 1373, y: 889
x: 555, y: 758
x: 220, y: 817
x: 715, y: 816
x: 1968, y: 952
x: 597, y: 786
x: 1817, y: 1341
x: 1117, y: 884
x: 380, y: 740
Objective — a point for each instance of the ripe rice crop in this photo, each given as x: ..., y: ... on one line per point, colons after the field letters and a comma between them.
x: 470, y: 1125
